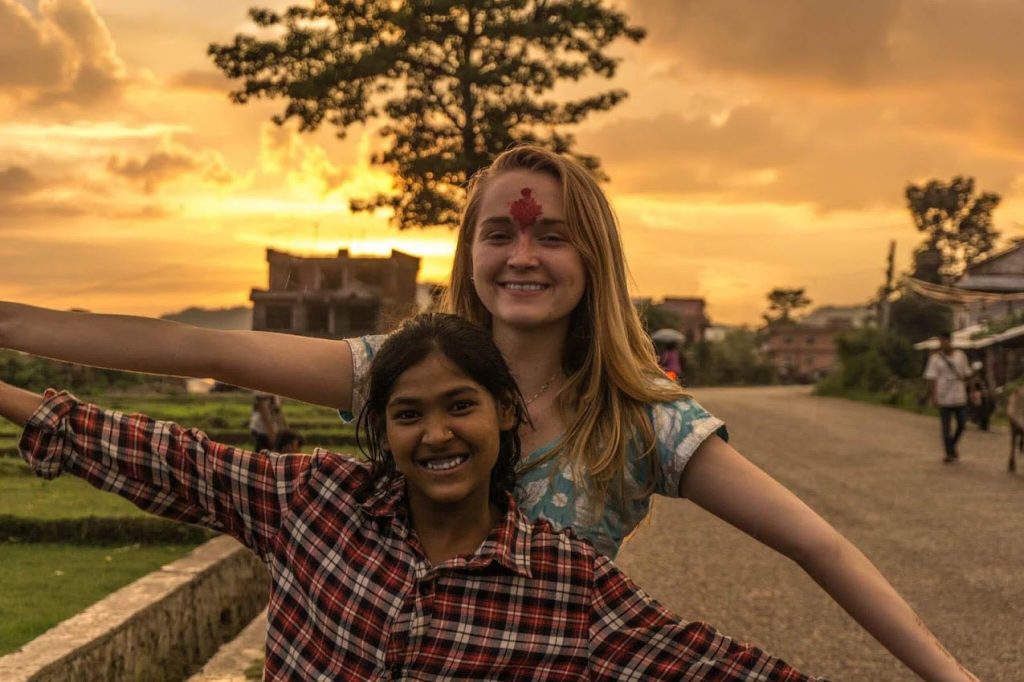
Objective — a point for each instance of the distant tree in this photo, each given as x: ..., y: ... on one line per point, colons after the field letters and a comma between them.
x: 915, y: 318
x: 454, y: 82
x: 782, y: 302
x: 733, y: 361
x: 957, y: 224
x: 655, y: 317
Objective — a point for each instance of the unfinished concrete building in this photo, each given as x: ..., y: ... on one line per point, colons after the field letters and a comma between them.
x: 337, y: 297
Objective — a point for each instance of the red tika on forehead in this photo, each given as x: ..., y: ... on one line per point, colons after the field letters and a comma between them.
x: 525, y: 210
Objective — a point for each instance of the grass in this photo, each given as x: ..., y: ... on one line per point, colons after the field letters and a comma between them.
x: 65, y: 497
x: 44, y: 584
x: 906, y: 400
x: 255, y: 671
x: 220, y: 414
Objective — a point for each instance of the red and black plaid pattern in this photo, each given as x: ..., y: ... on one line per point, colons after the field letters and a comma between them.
x: 354, y: 597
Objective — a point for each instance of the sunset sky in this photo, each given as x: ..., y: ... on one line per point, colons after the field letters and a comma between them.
x: 763, y: 144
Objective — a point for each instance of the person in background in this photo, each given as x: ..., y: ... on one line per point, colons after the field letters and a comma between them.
x: 266, y: 421
x: 670, y: 361
x: 980, y: 401
x: 288, y: 441
x: 947, y: 372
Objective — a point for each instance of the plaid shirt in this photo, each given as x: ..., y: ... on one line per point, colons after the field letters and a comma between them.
x: 354, y: 597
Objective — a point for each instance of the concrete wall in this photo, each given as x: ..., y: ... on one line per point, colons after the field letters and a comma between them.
x: 162, y: 627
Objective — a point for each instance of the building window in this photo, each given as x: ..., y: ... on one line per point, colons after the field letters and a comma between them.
x: 810, y: 340
x: 363, y: 317
x: 279, y: 317
x: 316, y: 318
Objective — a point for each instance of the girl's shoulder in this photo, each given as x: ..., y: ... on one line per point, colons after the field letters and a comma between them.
x: 680, y: 427
x: 671, y: 418
x: 338, y: 466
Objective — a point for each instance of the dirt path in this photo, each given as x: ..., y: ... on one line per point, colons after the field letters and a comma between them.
x: 949, y: 537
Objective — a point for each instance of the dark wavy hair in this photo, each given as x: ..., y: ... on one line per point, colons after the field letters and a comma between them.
x: 472, y: 350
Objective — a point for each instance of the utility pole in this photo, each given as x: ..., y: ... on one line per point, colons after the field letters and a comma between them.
x: 888, y: 289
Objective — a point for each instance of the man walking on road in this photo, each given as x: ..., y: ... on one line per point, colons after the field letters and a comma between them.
x: 947, y: 372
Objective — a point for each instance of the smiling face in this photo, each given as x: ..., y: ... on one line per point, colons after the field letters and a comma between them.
x: 526, y: 271
x: 443, y: 431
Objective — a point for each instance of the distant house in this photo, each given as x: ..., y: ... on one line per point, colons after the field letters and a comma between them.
x: 802, y: 352
x: 1000, y: 273
x: 992, y: 331
x: 335, y: 297
x: 693, y: 318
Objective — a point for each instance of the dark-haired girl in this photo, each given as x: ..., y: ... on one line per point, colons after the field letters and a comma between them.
x: 415, y: 566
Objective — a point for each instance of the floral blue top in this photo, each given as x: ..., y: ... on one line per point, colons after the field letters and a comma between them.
x: 551, y: 491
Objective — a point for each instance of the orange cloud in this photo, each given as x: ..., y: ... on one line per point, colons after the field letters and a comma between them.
x: 306, y: 165
x: 63, y: 56
x: 172, y: 161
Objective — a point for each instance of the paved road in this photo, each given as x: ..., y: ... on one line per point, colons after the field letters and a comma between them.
x: 949, y: 537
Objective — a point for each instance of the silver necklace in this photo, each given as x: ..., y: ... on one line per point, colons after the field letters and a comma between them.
x: 543, y: 388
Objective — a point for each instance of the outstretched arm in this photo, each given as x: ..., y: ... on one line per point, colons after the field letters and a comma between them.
x: 633, y: 637
x: 726, y: 484
x: 159, y: 466
x: 17, y: 404
x: 317, y: 371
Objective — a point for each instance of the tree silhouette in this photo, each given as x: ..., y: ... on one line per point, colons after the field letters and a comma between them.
x: 782, y: 302
x: 453, y: 82
x: 957, y: 223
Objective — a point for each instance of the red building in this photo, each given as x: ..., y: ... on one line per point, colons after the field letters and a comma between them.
x: 801, y: 352
x: 693, y: 319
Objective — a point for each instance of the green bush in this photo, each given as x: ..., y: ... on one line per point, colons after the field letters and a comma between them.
x: 733, y: 361
x: 870, y: 360
x: 93, y: 530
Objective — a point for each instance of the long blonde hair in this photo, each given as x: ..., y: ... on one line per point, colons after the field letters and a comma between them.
x: 609, y: 359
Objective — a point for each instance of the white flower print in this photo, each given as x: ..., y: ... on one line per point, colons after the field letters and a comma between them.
x: 532, y: 493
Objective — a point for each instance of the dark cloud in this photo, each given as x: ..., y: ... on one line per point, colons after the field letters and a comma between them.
x: 845, y: 43
x: 169, y: 163
x: 759, y: 154
x: 18, y: 181
x: 956, y: 55
x: 836, y: 105
x: 25, y: 193
x: 33, y: 54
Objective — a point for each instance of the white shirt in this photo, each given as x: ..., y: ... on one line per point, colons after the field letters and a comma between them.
x: 948, y: 372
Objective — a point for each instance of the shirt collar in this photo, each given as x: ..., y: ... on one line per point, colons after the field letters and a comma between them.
x: 507, y: 545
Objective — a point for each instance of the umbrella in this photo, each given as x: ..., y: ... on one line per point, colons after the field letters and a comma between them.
x: 668, y: 336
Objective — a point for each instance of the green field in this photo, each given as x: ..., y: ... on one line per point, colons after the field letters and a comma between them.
x: 43, y: 582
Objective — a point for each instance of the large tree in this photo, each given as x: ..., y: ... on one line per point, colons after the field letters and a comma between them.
x: 957, y: 223
x: 454, y: 83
